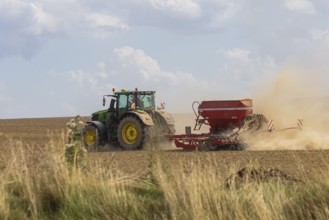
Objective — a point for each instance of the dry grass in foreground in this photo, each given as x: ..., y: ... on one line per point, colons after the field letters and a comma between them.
x: 37, y: 183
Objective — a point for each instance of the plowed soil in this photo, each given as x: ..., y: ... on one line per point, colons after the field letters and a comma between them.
x: 39, y: 132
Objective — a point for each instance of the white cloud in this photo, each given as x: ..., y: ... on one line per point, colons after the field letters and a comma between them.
x: 149, y: 68
x: 26, y: 26
x: 102, y: 66
x: 104, y: 25
x: 42, y: 21
x: 103, y: 20
x: 82, y: 78
x: 311, y: 52
x: 31, y: 17
x: 243, y: 65
x: 181, y: 8
x: 226, y: 11
x: 237, y: 54
x: 300, y: 5
x: 93, y: 83
x: 320, y: 35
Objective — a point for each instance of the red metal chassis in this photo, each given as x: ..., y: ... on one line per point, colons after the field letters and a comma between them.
x: 198, y: 141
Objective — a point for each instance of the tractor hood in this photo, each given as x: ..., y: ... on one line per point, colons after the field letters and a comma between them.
x: 100, y: 115
x: 99, y: 112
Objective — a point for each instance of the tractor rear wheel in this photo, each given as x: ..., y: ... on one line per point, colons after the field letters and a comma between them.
x: 156, y: 135
x: 131, y: 133
x: 91, y: 138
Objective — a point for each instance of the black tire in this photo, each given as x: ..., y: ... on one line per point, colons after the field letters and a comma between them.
x: 241, y: 146
x: 232, y: 147
x: 91, y: 138
x: 131, y: 134
x: 210, y: 146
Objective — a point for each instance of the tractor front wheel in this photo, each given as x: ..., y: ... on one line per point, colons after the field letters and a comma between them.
x: 131, y: 133
x: 91, y: 138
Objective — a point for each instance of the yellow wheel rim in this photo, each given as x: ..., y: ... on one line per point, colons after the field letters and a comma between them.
x: 129, y: 133
x: 90, y: 138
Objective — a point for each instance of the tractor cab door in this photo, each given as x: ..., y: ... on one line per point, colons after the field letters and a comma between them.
x: 112, y: 110
x: 112, y: 105
x: 122, y: 104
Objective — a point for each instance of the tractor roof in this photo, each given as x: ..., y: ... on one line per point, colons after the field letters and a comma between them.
x: 123, y: 92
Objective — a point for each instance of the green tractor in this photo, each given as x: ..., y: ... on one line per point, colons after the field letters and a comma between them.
x: 132, y: 120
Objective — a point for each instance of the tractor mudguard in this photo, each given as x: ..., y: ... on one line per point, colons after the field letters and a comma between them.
x: 101, y: 128
x: 166, y: 117
x: 143, y: 116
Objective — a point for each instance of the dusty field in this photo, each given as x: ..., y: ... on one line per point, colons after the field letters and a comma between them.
x: 39, y: 132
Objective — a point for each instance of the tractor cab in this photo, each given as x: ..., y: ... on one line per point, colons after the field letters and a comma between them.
x: 131, y: 100
x: 123, y: 101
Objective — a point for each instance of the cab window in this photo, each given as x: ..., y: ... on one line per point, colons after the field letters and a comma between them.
x: 148, y: 101
x: 123, y: 99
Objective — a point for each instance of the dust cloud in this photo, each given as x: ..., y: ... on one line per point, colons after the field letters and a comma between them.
x: 183, y: 120
x: 290, y: 96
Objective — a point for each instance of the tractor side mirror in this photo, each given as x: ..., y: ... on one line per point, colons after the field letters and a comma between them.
x: 104, y: 101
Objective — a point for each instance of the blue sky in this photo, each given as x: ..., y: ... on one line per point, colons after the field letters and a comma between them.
x: 57, y: 58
